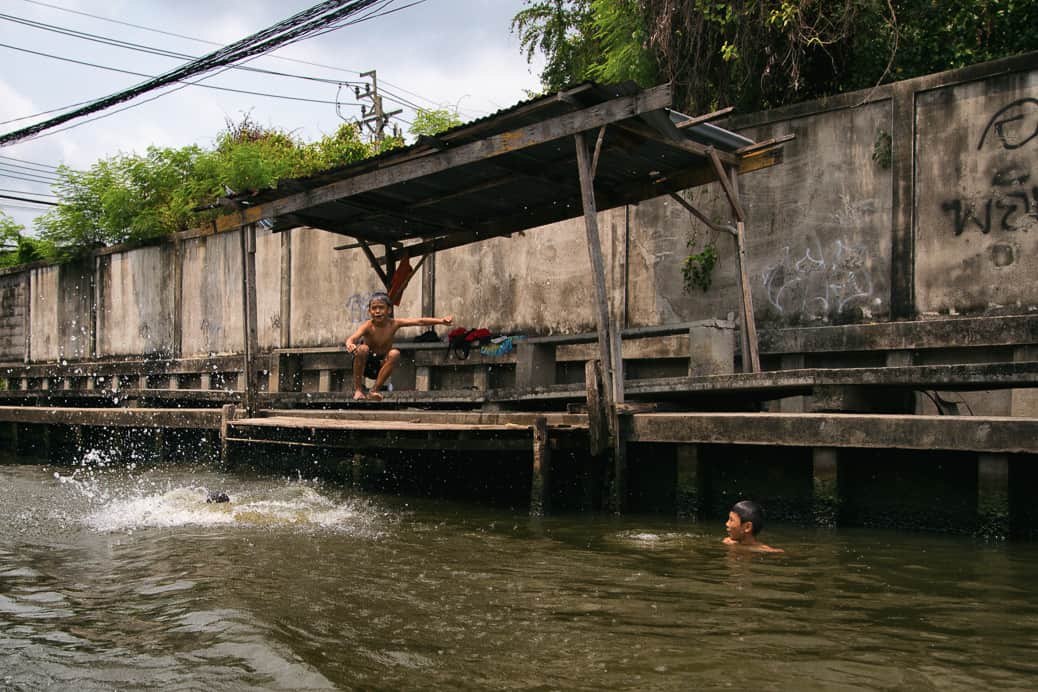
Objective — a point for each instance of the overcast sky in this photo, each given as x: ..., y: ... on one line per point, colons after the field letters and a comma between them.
x: 437, y: 53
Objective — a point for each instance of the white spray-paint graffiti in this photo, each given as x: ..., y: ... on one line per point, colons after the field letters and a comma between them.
x: 816, y: 285
x: 357, y: 307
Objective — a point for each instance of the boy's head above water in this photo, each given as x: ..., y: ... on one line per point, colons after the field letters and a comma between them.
x: 746, y: 517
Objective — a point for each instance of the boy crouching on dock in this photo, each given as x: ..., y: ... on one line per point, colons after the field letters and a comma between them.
x: 372, y: 344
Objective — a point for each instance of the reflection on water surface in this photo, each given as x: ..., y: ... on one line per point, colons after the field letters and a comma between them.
x: 116, y: 578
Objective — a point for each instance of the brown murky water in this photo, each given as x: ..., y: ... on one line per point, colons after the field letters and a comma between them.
x: 115, y: 578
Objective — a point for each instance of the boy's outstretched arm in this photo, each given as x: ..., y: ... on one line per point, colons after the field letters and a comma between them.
x: 424, y: 321
x: 351, y: 340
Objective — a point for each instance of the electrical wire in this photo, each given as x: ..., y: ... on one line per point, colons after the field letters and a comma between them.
x: 139, y: 47
x: 26, y: 199
x: 384, y: 83
x: 141, y: 74
x: 29, y: 192
x: 297, y: 27
x: 16, y: 176
x: 26, y: 170
x: 31, y: 163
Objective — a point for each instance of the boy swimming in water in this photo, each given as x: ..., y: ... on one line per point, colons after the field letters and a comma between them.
x: 372, y: 344
x: 745, y: 521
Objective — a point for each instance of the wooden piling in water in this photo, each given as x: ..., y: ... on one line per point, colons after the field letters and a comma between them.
x: 227, y: 414
x: 539, y: 485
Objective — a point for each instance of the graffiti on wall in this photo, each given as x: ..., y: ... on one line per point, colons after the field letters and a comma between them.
x: 1011, y: 203
x: 357, y: 307
x: 817, y: 285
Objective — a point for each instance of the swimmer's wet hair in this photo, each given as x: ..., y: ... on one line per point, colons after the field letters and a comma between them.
x: 748, y: 510
x: 380, y: 296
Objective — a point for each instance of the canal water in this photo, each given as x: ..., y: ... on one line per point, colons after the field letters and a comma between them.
x: 125, y: 578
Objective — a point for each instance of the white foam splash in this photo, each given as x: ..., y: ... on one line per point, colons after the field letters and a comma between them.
x: 293, y: 506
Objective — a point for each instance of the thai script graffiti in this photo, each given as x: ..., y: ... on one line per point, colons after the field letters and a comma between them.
x: 1014, y: 125
x: 815, y: 285
x: 1012, y: 203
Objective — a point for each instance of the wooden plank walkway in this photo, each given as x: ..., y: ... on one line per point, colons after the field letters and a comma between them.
x: 207, y: 419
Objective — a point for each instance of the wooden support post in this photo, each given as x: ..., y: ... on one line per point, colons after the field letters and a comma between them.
x: 250, y: 338
x: 612, y: 373
x: 826, y: 499
x: 534, y: 365
x: 792, y: 404
x: 178, y: 297
x: 539, y: 486
x: 286, y: 291
x: 172, y: 382
x: 689, y: 496
x: 227, y: 414
x: 750, y: 353
x: 205, y: 381
x: 993, y: 496
x: 598, y: 425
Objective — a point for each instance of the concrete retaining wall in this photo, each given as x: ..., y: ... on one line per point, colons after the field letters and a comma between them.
x: 917, y: 199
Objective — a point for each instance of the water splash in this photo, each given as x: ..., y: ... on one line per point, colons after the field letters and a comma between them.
x: 123, y: 497
x: 293, y: 506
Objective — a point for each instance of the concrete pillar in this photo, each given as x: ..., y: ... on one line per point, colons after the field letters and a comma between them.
x: 1024, y: 402
x: 688, y: 496
x: 423, y: 378
x: 792, y: 404
x: 324, y: 380
x: 23, y: 384
x: 993, y: 496
x: 66, y: 383
x: 711, y: 350
x: 173, y: 382
x: 539, y: 485
x: 534, y: 365
x: 826, y: 498
x: 142, y: 381
x: 481, y: 378
x: 45, y: 384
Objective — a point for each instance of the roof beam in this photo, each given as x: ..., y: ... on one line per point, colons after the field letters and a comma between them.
x: 548, y: 130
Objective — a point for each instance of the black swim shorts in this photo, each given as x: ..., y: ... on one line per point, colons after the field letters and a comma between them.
x: 373, y: 365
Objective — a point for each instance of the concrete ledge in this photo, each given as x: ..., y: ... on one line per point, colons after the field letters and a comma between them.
x: 952, y: 433
x: 946, y: 332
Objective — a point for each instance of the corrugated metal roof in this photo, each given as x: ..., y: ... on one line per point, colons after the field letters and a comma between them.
x: 508, y: 171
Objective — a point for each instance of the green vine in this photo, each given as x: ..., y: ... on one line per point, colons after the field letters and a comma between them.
x: 698, y: 269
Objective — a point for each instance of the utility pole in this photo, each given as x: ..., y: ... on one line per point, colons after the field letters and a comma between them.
x: 374, y: 118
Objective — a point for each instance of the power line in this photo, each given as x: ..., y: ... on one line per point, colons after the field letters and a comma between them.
x: 295, y: 28
x: 29, y: 169
x: 31, y: 163
x: 385, y: 83
x: 29, y: 192
x: 117, y: 43
x: 141, y: 74
x: 18, y: 176
x: 27, y: 199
